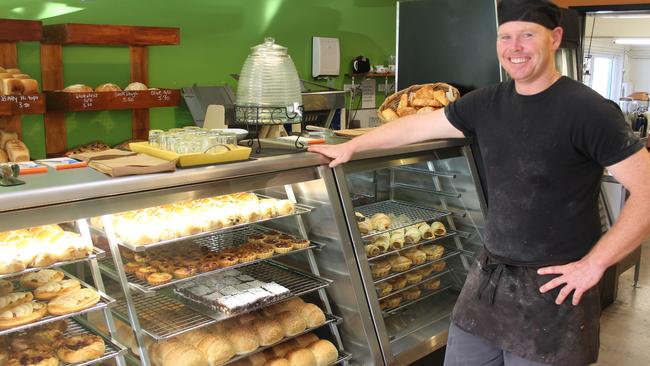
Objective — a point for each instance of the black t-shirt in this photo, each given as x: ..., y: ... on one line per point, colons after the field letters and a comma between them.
x: 543, y: 156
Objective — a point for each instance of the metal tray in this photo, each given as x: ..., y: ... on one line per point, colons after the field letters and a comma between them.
x: 160, y: 326
x: 431, y: 277
x: 112, y: 348
x: 328, y: 319
x: 416, y: 213
x: 300, y: 209
x: 299, y: 283
x: 449, y: 234
x: 413, y: 268
x: 403, y: 305
x: 96, y: 254
x: 215, y: 242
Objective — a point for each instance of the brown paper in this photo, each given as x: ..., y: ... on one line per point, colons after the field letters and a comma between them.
x: 132, y: 165
x: 102, y: 155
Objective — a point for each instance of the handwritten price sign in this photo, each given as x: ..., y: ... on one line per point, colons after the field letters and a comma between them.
x: 87, y: 99
x: 162, y: 95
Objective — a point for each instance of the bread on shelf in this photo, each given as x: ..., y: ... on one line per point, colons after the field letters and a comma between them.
x: 78, y: 88
x: 108, y: 87
x: 136, y: 86
x: 17, y: 151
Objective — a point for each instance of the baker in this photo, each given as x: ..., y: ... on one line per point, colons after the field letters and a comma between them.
x: 530, y: 297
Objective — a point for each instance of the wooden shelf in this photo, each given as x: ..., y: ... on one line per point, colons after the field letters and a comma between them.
x: 12, y: 30
x: 114, y: 35
x: 78, y: 102
x: 11, y: 105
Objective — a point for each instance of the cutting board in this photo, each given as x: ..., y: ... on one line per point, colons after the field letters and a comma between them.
x: 353, y: 132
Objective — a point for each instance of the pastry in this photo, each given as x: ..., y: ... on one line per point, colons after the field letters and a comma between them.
x: 301, y: 243
x: 26, y: 341
x: 4, y: 158
x: 289, y: 304
x: 425, y: 271
x: 132, y: 267
x: 312, y: 315
x: 324, y: 351
x: 277, y: 362
x: 438, y: 228
x: 425, y: 231
x: 264, y: 251
x: 413, y: 277
x: 81, y: 348
x: 269, y: 331
x: 371, y: 250
x: 411, y: 293
x: 305, y: 339
x: 380, y: 221
x: 284, y: 207
x: 227, y: 261
x: 159, y: 278
x: 172, y: 353
x: 108, y: 87
x: 380, y: 269
x: 13, y: 71
x: 6, y: 287
x: 382, y: 242
x: 247, y: 318
x: 244, y: 339
x: 78, y: 88
x: 136, y: 86
x: 56, y: 288
x: 396, y: 240
x: 216, y: 348
x: 433, y: 251
x: 416, y: 256
x: 14, y: 299
x: 301, y: 357
x: 256, y: 238
x: 439, y: 266
x: 22, y: 314
x: 74, y: 301
x: 184, y: 272
x: 394, y: 301
x: 363, y: 223
x: 412, y: 235
x: 245, y: 256
x: 32, y: 358
x: 384, y: 288
x: 432, y: 284
x: 292, y: 322
x: 267, y: 208
x: 257, y: 359
x: 35, y: 279
x: 398, y: 283
x: 283, y: 247
x: 48, y: 336
x: 400, y: 263
x: 143, y: 272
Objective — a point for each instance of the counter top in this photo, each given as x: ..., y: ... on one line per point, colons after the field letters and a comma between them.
x: 72, y: 185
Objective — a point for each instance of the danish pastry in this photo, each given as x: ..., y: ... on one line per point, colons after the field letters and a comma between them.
x: 32, y: 358
x: 14, y: 299
x: 36, y: 279
x: 81, y: 348
x: 74, y: 301
x: 22, y: 314
x: 56, y: 288
x: 6, y: 287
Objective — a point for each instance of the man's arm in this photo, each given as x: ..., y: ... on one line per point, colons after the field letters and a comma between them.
x: 403, y: 131
x: 627, y: 233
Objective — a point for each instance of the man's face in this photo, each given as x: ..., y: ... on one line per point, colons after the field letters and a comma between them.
x: 526, y: 50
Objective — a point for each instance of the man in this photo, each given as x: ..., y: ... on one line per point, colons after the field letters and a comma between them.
x: 529, y: 298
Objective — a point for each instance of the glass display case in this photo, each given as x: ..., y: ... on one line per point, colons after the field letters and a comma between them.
x: 416, y: 219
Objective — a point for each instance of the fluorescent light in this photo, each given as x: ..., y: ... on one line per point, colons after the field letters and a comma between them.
x: 633, y: 41
x: 625, y: 16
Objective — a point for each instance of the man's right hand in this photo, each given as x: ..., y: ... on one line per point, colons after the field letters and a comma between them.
x: 338, y: 154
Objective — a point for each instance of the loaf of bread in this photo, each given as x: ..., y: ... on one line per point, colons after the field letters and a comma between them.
x: 11, y: 87
x: 78, y: 88
x: 3, y: 156
x: 136, y: 86
x: 30, y: 86
x: 17, y: 151
x: 14, y: 71
x: 108, y: 87
x: 6, y: 136
x: 21, y: 76
x: 6, y: 75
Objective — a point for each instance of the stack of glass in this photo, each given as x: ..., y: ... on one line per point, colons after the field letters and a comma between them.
x: 192, y: 140
x: 268, y: 80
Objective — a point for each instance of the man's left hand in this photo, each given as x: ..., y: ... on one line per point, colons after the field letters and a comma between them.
x: 577, y: 276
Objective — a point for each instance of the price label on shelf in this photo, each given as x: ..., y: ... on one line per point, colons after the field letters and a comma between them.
x: 127, y: 96
x: 88, y: 99
x: 162, y: 95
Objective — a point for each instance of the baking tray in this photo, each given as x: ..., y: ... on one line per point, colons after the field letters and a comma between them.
x: 300, y: 209
x: 96, y: 254
x: 415, y: 213
x: 413, y: 268
x: 235, y: 153
x: 450, y: 233
x: 429, y: 278
x: 215, y: 242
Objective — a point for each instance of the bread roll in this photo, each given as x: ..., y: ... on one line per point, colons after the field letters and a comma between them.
x: 324, y: 352
x: 292, y: 322
x: 108, y: 87
x: 216, y: 348
x: 269, y: 331
x: 14, y: 71
x: 136, y: 86
x: 30, y: 86
x: 3, y: 156
x: 305, y: 339
x: 278, y: 362
x: 21, y: 76
x: 6, y: 75
x: 244, y: 339
x: 389, y: 114
x: 192, y: 338
x: 17, y: 151
x: 257, y: 359
x: 313, y: 315
x: 11, y: 87
x: 180, y: 354
x: 78, y: 88
x: 301, y: 357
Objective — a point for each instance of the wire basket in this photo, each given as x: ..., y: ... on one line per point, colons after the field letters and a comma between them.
x: 419, y: 98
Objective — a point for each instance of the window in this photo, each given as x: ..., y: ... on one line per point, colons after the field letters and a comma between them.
x: 604, y: 75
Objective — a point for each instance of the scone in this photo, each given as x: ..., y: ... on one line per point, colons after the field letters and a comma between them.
x: 36, y: 279
x: 413, y: 277
x: 398, y: 283
x: 432, y: 285
x: 75, y: 301
x: 22, y: 314
x: 81, y: 348
x: 324, y: 351
x: 400, y: 263
x: 439, y: 266
x: 53, y: 289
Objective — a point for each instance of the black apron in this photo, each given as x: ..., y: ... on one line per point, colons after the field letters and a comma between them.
x: 501, y: 302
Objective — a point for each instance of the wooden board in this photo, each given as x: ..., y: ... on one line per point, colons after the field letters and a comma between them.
x: 56, y: 139
x: 139, y: 56
x: 21, y: 104
x: 96, y: 101
x: 13, y: 30
x: 114, y: 35
x: 353, y: 132
x: 8, y: 55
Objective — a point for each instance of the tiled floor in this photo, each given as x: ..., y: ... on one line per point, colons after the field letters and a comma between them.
x: 625, y: 325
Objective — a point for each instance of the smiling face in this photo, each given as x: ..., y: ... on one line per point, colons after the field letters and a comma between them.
x: 526, y: 51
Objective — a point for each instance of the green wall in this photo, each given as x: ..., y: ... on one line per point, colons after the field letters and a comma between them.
x: 215, y: 39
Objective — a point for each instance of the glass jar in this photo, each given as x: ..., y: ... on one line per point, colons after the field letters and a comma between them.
x: 155, y: 137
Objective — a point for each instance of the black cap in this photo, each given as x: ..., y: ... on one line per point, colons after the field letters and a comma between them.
x: 542, y: 12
